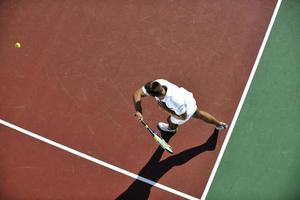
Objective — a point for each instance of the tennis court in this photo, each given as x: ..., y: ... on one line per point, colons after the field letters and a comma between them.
x: 68, y: 130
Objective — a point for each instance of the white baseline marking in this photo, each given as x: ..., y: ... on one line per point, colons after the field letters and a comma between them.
x: 212, y: 175
x: 99, y: 162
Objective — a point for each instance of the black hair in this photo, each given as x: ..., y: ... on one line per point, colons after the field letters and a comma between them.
x: 153, y: 88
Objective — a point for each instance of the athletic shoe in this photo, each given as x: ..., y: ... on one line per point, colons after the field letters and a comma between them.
x: 222, y: 126
x: 165, y: 127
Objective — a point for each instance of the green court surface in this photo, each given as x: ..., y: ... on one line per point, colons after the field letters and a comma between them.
x: 262, y: 158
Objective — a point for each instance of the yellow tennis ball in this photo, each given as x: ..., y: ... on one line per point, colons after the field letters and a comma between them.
x: 18, y: 45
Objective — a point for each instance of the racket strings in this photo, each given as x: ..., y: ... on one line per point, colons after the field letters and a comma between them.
x: 163, y: 143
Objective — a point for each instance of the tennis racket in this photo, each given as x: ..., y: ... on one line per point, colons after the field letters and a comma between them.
x: 158, y: 139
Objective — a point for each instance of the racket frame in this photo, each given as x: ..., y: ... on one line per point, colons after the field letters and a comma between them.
x: 157, y: 138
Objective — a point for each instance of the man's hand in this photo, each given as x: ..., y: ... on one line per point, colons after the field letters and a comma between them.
x: 181, y: 117
x: 171, y: 112
x: 138, y: 116
x: 163, y: 106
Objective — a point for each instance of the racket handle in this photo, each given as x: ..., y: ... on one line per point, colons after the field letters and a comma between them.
x: 144, y: 123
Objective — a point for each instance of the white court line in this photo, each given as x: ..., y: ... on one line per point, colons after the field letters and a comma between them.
x: 99, y: 162
x: 212, y: 175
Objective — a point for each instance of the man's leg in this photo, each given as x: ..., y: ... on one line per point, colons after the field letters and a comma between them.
x: 167, y: 127
x: 172, y: 125
x: 205, y: 116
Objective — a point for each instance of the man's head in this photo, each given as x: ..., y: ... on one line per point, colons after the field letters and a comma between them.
x: 155, y: 89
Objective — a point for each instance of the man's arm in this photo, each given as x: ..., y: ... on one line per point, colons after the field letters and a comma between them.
x: 183, y: 116
x: 137, y: 101
x: 171, y: 112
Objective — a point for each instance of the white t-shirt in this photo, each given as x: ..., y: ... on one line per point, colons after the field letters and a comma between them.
x: 177, y: 98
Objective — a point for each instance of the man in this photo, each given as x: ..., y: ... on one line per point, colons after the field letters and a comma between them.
x: 176, y: 101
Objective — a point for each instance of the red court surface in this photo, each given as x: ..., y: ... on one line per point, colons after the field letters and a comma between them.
x: 73, y: 78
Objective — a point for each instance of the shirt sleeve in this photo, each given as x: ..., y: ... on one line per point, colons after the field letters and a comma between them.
x: 145, y: 91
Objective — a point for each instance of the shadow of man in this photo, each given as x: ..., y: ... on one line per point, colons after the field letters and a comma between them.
x: 155, y: 169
